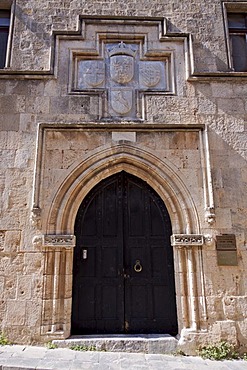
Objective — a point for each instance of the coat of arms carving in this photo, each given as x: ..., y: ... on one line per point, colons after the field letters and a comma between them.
x: 120, y: 74
x: 122, y: 68
x: 121, y: 100
x: 150, y: 73
x: 91, y: 73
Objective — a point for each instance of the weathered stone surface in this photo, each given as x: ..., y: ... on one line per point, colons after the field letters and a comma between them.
x: 67, y: 123
x: 121, y: 343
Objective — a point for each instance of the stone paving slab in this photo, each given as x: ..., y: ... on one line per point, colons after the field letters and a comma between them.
x: 41, y: 358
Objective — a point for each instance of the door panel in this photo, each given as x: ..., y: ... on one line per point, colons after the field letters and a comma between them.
x: 126, y: 281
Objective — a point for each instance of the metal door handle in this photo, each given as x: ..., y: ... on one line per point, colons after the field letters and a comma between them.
x: 138, y: 266
x: 84, y: 254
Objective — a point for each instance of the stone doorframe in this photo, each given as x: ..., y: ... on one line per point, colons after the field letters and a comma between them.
x: 58, y: 240
x: 58, y: 273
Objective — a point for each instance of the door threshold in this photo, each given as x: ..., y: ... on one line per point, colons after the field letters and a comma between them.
x: 145, y: 343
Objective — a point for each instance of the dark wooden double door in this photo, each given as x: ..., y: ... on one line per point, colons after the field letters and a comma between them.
x: 123, y: 278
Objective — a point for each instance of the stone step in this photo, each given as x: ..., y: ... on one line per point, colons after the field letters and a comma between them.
x: 150, y: 343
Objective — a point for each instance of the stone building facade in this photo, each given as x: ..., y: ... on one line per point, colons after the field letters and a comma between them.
x: 156, y: 91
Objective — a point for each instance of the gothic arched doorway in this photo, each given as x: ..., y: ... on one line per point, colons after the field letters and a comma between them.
x: 123, y: 274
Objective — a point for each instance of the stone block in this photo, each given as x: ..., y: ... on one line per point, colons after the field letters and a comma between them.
x: 3, y: 140
x: 9, y: 121
x: 12, y: 241
x: 33, y: 263
x: 33, y: 313
x: 230, y: 106
x: 16, y: 311
x: 22, y: 158
x: 206, y: 106
x: 223, y: 218
x: 37, y: 286
x: 54, y: 158
x: 36, y: 88
x: 225, y: 331
x: 55, y: 140
x: 38, y: 105
x: 124, y: 136
x: 7, y: 158
x: 230, y: 311
x: 51, y: 88
x: 16, y: 87
x: 10, y: 287
x: 78, y: 104
x: 24, y: 287
x: 28, y: 123
x: 15, y: 264
x: 218, y: 92
x: 183, y: 140
x: 11, y: 104
x: 59, y: 104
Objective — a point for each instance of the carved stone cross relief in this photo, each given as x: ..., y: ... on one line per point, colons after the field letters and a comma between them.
x: 121, y: 76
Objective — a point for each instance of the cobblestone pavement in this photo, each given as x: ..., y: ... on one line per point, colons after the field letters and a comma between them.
x: 29, y: 358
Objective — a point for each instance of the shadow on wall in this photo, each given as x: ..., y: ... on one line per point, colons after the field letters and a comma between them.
x: 221, y: 106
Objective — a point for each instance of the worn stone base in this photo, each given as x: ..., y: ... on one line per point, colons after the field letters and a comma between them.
x: 150, y: 343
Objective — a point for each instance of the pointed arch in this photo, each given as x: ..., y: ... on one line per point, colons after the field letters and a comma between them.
x: 84, y: 175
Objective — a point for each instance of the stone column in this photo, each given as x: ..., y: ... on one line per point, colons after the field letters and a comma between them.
x: 57, y: 287
x: 189, y: 281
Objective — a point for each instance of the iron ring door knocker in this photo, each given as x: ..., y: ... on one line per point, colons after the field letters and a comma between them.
x: 138, y: 266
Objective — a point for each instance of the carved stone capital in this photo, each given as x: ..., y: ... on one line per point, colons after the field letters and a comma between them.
x: 187, y: 240
x: 58, y: 241
x: 37, y: 241
x: 209, y: 240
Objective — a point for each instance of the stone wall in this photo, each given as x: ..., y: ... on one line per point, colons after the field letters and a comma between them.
x: 48, y: 134
x: 37, y: 20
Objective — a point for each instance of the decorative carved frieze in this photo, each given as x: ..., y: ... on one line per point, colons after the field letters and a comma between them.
x: 66, y: 241
x: 187, y: 240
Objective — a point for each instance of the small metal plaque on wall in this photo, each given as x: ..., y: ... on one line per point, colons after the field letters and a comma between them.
x: 226, y: 242
x: 226, y: 250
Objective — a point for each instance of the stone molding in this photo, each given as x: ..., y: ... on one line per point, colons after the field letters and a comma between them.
x: 184, y: 240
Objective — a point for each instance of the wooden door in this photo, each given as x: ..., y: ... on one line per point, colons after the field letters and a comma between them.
x: 123, y: 261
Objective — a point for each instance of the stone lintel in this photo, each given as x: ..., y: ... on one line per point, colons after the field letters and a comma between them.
x: 184, y: 240
x: 124, y: 136
x: 58, y: 241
